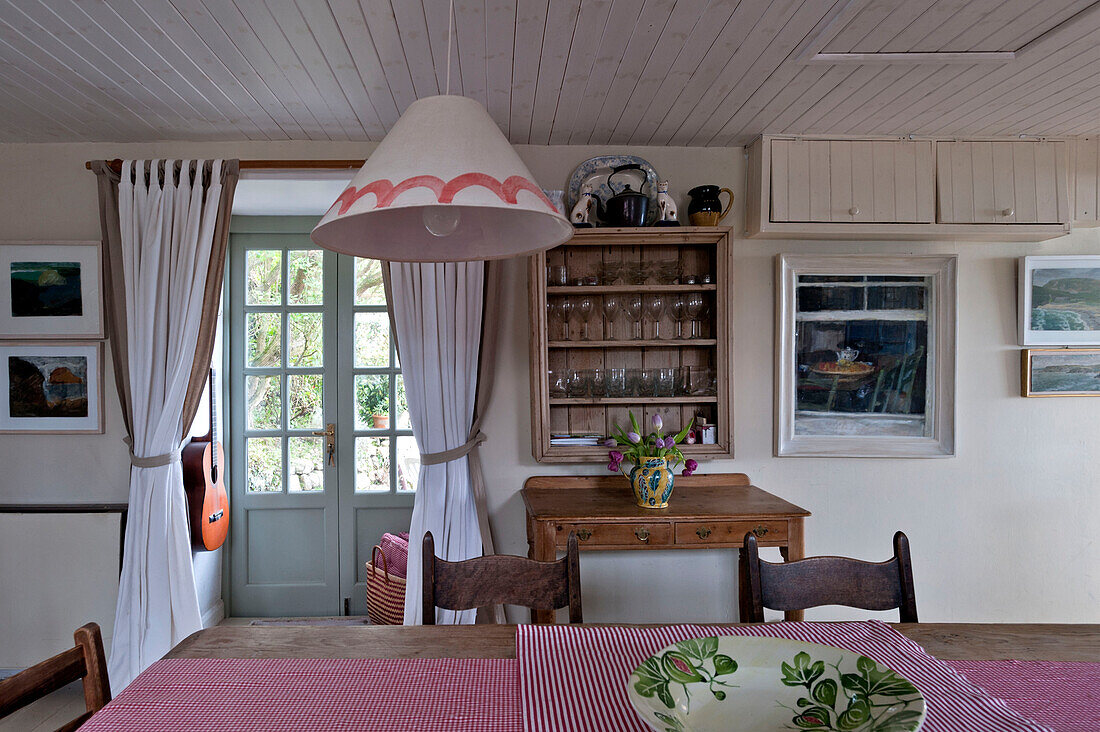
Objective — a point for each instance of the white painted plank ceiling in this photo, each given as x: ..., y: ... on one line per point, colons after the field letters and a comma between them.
x: 656, y: 72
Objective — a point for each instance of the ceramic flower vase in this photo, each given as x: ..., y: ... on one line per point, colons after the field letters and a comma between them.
x: 651, y: 482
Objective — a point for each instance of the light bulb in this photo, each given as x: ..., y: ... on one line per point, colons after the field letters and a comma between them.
x: 440, y: 220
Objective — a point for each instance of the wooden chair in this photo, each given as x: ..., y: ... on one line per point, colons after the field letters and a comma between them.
x: 86, y: 661
x: 501, y: 579
x: 826, y: 581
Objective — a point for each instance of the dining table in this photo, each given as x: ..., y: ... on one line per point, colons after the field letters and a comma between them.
x: 546, y: 677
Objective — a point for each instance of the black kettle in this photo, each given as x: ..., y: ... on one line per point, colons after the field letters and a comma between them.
x: 627, y: 207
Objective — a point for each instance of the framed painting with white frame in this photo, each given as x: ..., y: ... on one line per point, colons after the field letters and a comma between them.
x: 865, y: 356
x: 51, y: 387
x: 1059, y: 301
x: 1060, y: 372
x: 51, y: 289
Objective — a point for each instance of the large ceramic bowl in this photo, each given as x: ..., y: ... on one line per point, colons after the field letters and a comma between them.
x: 770, y: 684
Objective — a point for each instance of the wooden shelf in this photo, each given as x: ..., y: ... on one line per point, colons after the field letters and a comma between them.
x: 609, y: 289
x: 636, y: 400
x: 649, y: 342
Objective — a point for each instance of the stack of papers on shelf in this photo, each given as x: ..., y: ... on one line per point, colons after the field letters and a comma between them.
x: 587, y: 439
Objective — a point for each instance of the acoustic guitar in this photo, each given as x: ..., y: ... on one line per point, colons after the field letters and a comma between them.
x: 203, y: 480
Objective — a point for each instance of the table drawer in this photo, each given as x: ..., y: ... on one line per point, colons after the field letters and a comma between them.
x: 729, y: 532
x: 659, y: 534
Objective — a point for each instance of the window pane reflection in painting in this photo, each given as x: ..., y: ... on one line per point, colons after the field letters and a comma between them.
x: 862, y: 355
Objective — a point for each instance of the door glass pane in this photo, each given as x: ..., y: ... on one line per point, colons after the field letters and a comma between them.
x: 265, y: 347
x: 372, y: 464
x: 304, y: 408
x: 305, y: 341
x: 265, y: 464
x: 307, y: 464
x: 372, y: 401
x: 368, y: 282
x: 265, y: 280
x: 305, y: 277
x: 372, y: 340
x: 402, y: 406
x: 265, y: 402
x: 408, y: 463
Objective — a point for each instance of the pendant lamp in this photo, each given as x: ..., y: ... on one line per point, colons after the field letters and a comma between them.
x: 444, y: 185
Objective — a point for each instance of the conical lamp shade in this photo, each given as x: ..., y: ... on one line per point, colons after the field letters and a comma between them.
x: 444, y: 167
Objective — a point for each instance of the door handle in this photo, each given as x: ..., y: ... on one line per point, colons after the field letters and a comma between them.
x: 329, y: 433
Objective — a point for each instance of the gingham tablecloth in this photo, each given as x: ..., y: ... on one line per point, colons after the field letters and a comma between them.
x: 305, y: 695
x: 572, y: 679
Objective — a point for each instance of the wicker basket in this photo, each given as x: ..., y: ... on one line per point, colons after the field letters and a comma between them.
x: 385, y: 592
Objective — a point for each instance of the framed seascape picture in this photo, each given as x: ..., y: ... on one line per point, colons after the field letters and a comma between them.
x: 1059, y: 301
x: 865, y: 362
x: 1060, y: 372
x: 50, y: 290
x: 51, y: 387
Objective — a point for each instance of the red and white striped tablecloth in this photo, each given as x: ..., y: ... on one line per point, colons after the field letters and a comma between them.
x: 284, y: 695
x: 1062, y: 695
x: 573, y: 679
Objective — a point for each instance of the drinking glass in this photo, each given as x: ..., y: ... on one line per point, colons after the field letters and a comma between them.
x: 646, y: 382
x: 557, y: 382
x: 696, y: 306
x: 610, y: 311
x: 565, y: 310
x: 668, y: 271
x: 576, y: 383
x: 556, y: 275
x: 633, y: 308
x: 664, y: 382
x: 585, y: 308
x: 615, y: 381
x: 655, y: 308
x: 597, y: 382
x: 609, y: 272
x: 636, y: 272
x: 678, y: 308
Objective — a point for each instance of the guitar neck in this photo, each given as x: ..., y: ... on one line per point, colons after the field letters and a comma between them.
x: 213, y: 417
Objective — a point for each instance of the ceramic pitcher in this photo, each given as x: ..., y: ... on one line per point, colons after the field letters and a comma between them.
x: 651, y: 481
x: 705, y: 208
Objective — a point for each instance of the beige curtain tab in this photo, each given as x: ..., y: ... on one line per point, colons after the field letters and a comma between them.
x: 156, y: 461
x: 446, y: 456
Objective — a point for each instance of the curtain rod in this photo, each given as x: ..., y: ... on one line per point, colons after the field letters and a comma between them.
x: 116, y: 164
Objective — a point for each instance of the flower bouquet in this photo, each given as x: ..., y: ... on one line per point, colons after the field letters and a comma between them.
x: 654, y: 457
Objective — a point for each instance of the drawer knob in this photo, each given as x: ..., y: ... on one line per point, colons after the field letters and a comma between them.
x: 853, y: 211
x: 584, y: 534
x: 1008, y: 211
x: 760, y: 530
x: 702, y: 532
x: 642, y: 534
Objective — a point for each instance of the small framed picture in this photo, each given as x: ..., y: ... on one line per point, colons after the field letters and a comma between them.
x: 1059, y: 301
x: 50, y: 290
x: 54, y: 388
x: 1050, y: 372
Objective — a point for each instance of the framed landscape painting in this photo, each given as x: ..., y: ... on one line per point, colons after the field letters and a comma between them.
x: 51, y: 387
x: 865, y: 363
x: 50, y: 290
x: 1060, y: 372
x: 1059, y: 301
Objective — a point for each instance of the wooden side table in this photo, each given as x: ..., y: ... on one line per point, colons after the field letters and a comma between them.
x: 705, y: 511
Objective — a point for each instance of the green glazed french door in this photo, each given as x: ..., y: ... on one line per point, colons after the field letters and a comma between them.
x: 322, y: 458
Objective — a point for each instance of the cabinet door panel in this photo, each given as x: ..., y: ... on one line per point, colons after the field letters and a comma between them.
x: 845, y: 181
x: 1005, y: 182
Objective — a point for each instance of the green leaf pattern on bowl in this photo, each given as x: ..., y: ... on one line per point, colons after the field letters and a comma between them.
x: 872, y: 700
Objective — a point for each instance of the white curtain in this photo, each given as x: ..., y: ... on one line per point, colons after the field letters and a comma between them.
x: 437, y: 310
x: 167, y: 230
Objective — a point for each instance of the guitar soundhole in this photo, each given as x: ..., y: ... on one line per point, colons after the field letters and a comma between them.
x: 213, y: 473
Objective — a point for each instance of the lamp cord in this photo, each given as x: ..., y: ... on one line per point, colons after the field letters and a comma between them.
x: 450, y: 22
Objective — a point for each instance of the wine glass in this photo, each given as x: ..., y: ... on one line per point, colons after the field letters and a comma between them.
x: 585, y: 307
x: 633, y: 308
x: 610, y: 312
x: 696, y: 306
x: 655, y: 308
x: 678, y: 308
x: 565, y: 310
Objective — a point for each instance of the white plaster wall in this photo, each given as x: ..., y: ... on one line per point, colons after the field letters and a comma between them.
x: 1002, y: 532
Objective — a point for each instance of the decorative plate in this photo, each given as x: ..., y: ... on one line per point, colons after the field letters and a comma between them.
x: 850, y: 370
x: 595, y: 171
x: 770, y: 684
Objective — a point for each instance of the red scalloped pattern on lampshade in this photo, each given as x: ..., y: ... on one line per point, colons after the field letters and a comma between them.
x: 385, y: 192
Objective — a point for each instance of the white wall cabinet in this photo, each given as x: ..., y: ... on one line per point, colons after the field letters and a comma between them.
x: 882, y: 181
x: 804, y: 188
x: 1009, y: 182
x: 1085, y: 191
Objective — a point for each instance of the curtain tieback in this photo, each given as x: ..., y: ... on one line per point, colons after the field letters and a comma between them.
x: 435, y: 458
x: 155, y: 461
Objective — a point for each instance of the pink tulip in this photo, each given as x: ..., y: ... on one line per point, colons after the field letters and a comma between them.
x: 657, y: 423
x: 610, y: 442
x: 634, y: 437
